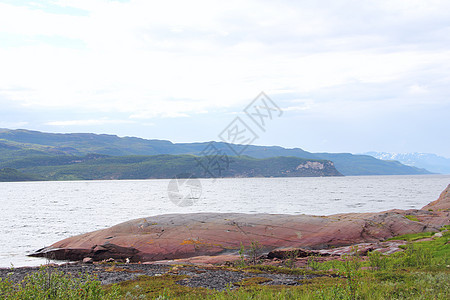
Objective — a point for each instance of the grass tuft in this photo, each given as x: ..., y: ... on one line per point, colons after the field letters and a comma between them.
x: 412, y: 218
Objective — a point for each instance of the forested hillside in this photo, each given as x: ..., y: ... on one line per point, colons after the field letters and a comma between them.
x: 21, y: 148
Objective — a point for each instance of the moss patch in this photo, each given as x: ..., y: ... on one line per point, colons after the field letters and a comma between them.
x: 252, y: 281
x: 284, y: 270
x: 412, y: 218
x: 150, y: 287
x: 412, y: 236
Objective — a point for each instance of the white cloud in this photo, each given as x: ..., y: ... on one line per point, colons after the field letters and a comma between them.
x: 300, y: 105
x: 139, y: 56
x: 417, y: 89
x: 12, y: 125
x: 87, y: 122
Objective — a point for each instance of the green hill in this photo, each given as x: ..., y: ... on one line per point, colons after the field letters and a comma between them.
x: 8, y: 174
x: 95, y: 166
x: 21, y: 144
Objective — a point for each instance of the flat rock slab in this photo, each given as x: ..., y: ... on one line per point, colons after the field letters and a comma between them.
x: 178, y: 236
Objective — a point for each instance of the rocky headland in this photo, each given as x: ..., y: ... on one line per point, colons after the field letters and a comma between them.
x: 217, y: 237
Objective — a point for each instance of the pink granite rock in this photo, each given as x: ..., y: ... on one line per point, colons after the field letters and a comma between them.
x: 180, y: 236
x: 443, y: 203
x: 88, y: 260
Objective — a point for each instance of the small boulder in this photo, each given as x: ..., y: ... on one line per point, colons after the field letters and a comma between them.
x: 437, y: 235
x: 288, y: 253
x: 88, y: 260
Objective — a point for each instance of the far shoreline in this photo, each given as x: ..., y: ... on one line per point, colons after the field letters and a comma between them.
x: 228, y: 178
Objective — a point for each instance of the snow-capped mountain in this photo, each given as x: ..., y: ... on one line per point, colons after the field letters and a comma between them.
x: 429, y: 161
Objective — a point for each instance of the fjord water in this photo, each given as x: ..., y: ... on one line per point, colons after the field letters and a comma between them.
x: 36, y: 214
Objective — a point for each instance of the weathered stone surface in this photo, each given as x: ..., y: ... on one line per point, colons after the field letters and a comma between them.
x: 279, y: 256
x: 443, y: 203
x: 88, y: 260
x: 289, y: 253
x: 200, y: 260
x: 362, y: 249
x: 181, y: 236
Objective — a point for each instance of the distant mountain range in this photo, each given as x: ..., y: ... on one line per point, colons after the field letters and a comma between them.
x: 72, y: 156
x: 429, y: 161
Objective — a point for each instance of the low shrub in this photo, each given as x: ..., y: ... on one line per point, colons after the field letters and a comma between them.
x: 50, y: 284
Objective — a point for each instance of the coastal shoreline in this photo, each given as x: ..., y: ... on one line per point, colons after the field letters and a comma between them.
x: 214, y: 269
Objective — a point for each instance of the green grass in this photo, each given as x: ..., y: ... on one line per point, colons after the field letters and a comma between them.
x: 420, y: 272
x: 395, y: 285
x: 284, y: 270
x: 412, y: 218
x: 445, y: 227
x: 146, y: 287
x: 440, y: 248
x: 413, y: 236
x: 49, y: 284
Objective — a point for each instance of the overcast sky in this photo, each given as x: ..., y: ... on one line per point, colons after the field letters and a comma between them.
x: 350, y: 76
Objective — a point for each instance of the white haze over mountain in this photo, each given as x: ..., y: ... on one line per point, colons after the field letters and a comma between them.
x: 429, y: 161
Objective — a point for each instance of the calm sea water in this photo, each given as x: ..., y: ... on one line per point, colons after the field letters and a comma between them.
x: 36, y: 214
